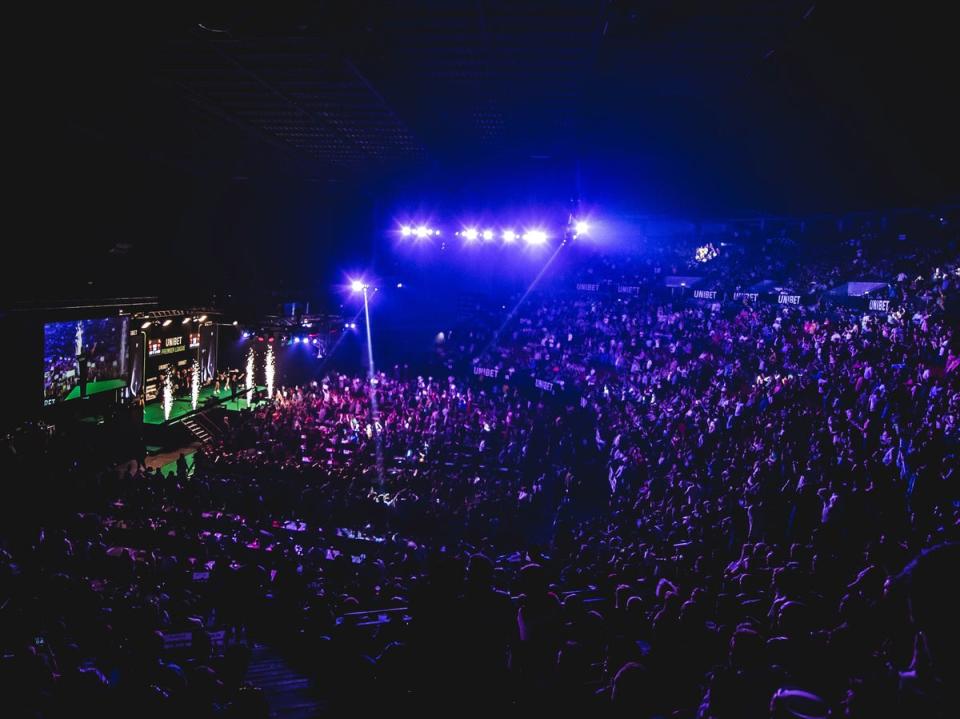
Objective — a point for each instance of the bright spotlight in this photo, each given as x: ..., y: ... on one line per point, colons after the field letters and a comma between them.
x: 357, y: 285
x: 186, y: 320
x: 582, y: 227
x: 296, y: 340
x: 422, y: 232
x: 509, y: 236
x: 235, y: 323
x: 471, y: 234
x: 166, y: 323
x: 399, y: 285
x: 406, y: 231
x: 202, y: 318
x: 535, y: 237
x: 488, y: 235
x: 146, y: 324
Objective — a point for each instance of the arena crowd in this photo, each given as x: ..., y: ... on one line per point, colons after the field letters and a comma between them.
x: 702, y: 510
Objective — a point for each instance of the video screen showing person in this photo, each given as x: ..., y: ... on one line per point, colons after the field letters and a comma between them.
x: 83, y: 351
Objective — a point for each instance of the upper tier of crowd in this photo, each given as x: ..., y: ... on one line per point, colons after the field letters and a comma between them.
x: 711, y: 510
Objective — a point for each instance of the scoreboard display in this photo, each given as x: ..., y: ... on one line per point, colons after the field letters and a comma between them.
x: 166, y: 345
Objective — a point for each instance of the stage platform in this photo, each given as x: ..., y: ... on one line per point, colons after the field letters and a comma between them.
x: 182, y: 406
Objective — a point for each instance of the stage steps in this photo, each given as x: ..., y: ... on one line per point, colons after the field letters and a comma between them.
x: 198, y: 428
x: 288, y: 692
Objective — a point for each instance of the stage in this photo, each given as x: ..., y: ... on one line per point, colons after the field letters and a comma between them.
x: 182, y: 406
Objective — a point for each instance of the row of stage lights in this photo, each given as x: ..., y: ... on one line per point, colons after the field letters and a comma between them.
x: 167, y: 322
x: 533, y: 237
x: 295, y: 340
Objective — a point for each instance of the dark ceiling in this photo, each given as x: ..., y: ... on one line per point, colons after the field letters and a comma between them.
x: 656, y: 105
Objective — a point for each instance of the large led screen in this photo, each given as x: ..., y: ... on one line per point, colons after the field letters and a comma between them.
x: 83, y: 354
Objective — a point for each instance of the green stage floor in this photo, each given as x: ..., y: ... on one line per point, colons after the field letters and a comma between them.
x: 104, y: 385
x: 153, y: 412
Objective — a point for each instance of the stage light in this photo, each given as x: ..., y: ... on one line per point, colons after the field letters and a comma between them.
x: 166, y: 323
x: 488, y: 235
x: 202, y: 318
x: 357, y: 285
x: 470, y: 233
x: 296, y: 340
x: 422, y: 232
x: 146, y: 324
x: 535, y: 237
x: 353, y: 325
x: 406, y: 231
x: 186, y: 321
x: 399, y: 285
x: 235, y: 323
x: 245, y: 335
x: 509, y: 236
x: 582, y: 227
